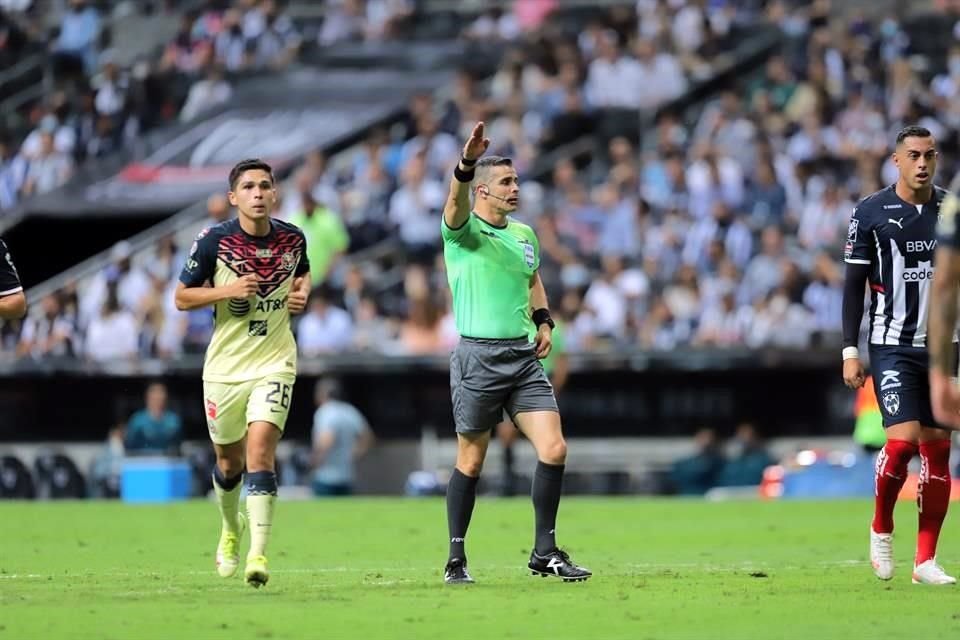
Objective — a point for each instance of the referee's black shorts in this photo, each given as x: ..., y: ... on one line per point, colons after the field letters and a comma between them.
x: 489, y: 377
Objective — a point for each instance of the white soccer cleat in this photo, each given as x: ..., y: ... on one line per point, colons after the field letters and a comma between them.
x: 881, y: 554
x: 228, y: 550
x: 930, y: 572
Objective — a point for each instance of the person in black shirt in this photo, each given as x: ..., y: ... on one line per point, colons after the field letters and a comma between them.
x: 13, y: 304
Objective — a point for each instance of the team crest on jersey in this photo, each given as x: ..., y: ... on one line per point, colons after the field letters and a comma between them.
x: 289, y: 261
x: 891, y: 402
x: 528, y: 255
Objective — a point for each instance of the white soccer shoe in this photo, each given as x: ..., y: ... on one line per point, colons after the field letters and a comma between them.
x: 228, y: 550
x: 881, y: 554
x: 930, y: 572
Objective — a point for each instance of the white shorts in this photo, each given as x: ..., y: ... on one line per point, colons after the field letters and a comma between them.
x: 230, y: 407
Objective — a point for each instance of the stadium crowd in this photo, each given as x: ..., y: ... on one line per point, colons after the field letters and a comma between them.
x: 719, y: 230
x: 99, y: 106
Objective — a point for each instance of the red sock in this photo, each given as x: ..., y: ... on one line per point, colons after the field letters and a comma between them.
x: 889, y: 475
x: 933, y: 495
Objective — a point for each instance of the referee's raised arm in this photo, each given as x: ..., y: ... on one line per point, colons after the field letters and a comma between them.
x: 457, y: 209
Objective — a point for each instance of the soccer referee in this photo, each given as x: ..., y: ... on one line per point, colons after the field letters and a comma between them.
x: 499, y: 303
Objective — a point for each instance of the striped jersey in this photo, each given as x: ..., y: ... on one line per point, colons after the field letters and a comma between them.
x: 897, y: 239
x: 9, y: 279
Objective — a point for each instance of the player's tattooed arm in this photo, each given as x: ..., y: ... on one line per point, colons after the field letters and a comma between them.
x: 943, y: 311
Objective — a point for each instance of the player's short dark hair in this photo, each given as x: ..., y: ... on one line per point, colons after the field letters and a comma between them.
x: 912, y: 131
x: 247, y: 165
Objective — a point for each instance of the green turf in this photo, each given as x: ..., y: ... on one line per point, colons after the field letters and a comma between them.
x: 372, y: 569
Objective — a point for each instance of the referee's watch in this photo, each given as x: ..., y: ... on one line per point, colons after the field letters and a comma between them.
x: 542, y: 316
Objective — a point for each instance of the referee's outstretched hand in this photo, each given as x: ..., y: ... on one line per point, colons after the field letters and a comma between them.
x: 476, y: 145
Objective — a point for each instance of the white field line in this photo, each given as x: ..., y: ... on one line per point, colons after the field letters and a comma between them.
x: 652, y: 567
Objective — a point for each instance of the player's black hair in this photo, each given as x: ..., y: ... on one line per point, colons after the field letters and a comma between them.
x: 247, y: 165
x: 912, y: 131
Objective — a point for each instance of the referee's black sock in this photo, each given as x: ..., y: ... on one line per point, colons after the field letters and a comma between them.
x: 547, y: 485
x: 461, y: 496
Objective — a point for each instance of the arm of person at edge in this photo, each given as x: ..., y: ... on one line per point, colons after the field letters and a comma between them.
x: 297, y: 300
x: 538, y: 300
x: 457, y: 208
x: 944, y: 394
x: 13, y: 306
x: 854, y: 375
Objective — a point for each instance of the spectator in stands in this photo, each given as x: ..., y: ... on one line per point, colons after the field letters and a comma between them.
x: 155, y: 428
x: 212, y: 91
x: 327, y: 238
x: 344, y: 22
x: 108, y: 465
x: 326, y: 328
x: 49, y: 334
x: 218, y: 209
x: 746, y: 460
x: 76, y: 47
x: 49, y: 170
x: 698, y: 473
x: 113, y: 335
x: 414, y: 208
x: 13, y: 175
x: 341, y: 436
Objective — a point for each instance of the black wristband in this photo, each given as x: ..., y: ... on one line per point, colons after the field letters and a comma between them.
x: 463, y: 176
x: 542, y: 316
x: 467, y: 163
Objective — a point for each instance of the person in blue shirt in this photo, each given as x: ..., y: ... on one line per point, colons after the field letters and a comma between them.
x: 341, y: 435
x: 155, y: 428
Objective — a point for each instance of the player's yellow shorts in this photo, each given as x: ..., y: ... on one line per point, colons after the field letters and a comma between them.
x: 231, y: 406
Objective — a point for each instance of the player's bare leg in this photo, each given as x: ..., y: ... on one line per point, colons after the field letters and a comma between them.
x: 933, y: 498
x: 461, y: 496
x: 262, y: 439
x: 227, y: 477
x: 543, y: 430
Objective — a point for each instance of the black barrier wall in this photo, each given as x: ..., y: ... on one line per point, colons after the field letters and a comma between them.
x: 783, y: 398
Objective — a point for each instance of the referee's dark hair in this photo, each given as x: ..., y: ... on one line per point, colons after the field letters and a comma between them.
x: 247, y: 165
x: 912, y: 131
x: 486, y: 164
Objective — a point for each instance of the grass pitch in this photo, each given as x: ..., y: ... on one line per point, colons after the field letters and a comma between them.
x: 372, y: 568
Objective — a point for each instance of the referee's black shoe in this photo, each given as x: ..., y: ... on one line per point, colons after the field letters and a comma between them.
x: 557, y: 563
x: 456, y: 572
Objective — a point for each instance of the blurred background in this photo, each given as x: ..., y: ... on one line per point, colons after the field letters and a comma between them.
x: 690, y: 167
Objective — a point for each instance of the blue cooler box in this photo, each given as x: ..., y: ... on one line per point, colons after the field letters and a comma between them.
x: 155, y: 480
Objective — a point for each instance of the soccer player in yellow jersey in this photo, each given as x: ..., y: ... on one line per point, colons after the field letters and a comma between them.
x: 253, y: 270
